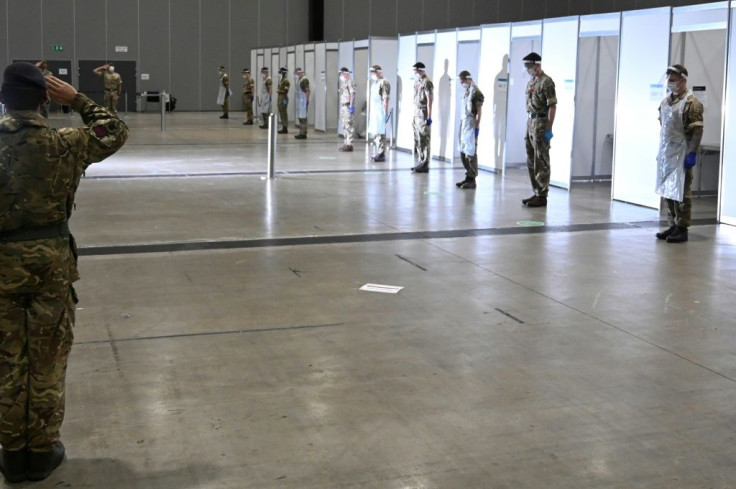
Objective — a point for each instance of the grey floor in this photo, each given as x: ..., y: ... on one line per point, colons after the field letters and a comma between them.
x: 222, y: 340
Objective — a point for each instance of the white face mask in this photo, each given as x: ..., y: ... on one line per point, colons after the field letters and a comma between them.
x: 374, y: 77
x: 673, y: 87
x: 111, y: 69
x: 531, y: 71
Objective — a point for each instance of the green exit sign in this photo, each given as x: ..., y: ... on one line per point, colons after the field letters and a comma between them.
x: 57, y: 48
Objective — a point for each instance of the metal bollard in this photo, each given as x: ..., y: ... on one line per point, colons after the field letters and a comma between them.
x: 163, y: 110
x: 271, y: 145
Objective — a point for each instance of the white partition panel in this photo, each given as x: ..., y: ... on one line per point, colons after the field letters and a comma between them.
x: 309, y: 72
x: 319, y: 87
x: 468, y: 58
x: 443, y: 110
x: 405, y: 92
x: 493, y: 80
x: 727, y: 193
x: 559, y: 60
x: 385, y: 52
x: 331, y: 85
x: 361, y: 60
x: 643, y: 60
x: 291, y: 65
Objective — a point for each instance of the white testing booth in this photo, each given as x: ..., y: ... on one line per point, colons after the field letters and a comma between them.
x: 384, y: 51
x: 727, y: 194
x: 412, y: 48
x: 468, y: 58
x: 324, y: 86
x: 443, y: 110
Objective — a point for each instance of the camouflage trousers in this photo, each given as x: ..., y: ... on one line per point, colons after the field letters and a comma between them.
x: 303, y: 127
x: 471, y: 164
x: 422, y: 135
x: 226, y: 104
x: 248, y: 102
x: 36, y: 335
x: 111, y: 100
x: 348, y: 129
x: 380, y: 142
x: 283, y: 115
x: 678, y: 213
x: 537, y: 156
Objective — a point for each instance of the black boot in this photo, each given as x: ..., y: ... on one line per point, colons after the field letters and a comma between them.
x: 679, y: 236
x: 41, y: 464
x: 224, y: 116
x: 13, y: 465
x: 526, y: 201
x: 664, y: 234
x: 537, y: 201
x: 283, y: 130
x: 460, y: 184
x: 421, y: 168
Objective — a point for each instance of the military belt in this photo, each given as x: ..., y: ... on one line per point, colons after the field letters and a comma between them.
x: 534, y: 115
x: 60, y: 229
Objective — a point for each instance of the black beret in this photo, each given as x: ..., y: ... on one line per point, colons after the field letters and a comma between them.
x: 344, y: 70
x: 465, y: 74
x: 419, y: 65
x: 24, y: 75
x: 532, y: 58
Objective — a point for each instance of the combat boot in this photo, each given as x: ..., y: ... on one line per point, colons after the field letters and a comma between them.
x: 379, y: 157
x: 678, y: 236
x: 421, y: 168
x: 224, y: 116
x: 469, y: 184
x: 346, y: 148
x: 526, y: 201
x: 248, y: 123
x: 41, y: 464
x: 664, y: 234
x: 460, y: 184
x: 13, y: 465
x: 283, y: 130
x: 537, y: 201
x: 300, y: 136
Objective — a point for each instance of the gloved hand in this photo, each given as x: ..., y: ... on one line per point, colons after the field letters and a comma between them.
x: 429, y: 122
x: 690, y: 160
x: 548, y: 135
x: 285, y: 102
x: 477, y: 131
x: 351, y: 110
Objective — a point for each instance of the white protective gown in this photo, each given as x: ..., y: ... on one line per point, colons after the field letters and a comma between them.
x: 377, y: 122
x: 301, y: 101
x: 467, y: 123
x: 672, y: 151
x: 264, y: 101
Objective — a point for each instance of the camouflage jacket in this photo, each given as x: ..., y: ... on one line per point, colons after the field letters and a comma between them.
x: 112, y: 81
x: 40, y: 170
x: 283, y: 88
x: 423, y: 89
x: 540, y: 94
x: 248, y: 86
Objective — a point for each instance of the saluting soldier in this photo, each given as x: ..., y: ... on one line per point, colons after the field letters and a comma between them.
x: 113, y: 85
x: 44, y: 67
x: 248, y: 89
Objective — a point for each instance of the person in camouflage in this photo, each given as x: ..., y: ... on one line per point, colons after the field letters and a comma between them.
x: 423, y: 99
x: 303, y: 93
x: 40, y: 170
x: 248, y: 89
x: 681, y: 118
x: 113, y: 85
x: 347, y: 108
x: 541, y: 105
x: 44, y: 67
x: 282, y: 93
x: 223, y: 97
x: 265, y: 101
x: 472, y: 109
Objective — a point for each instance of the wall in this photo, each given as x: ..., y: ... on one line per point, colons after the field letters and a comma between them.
x: 178, y: 43
x: 358, y: 19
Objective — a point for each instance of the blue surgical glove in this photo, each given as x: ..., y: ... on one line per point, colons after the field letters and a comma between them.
x: 548, y: 135
x: 429, y: 122
x: 477, y: 131
x: 690, y: 160
x: 351, y: 110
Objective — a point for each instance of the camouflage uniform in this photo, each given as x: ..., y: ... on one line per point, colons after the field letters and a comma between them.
x: 678, y: 213
x: 380, y: 90
x: 248, y: 88
x: 265, y: 102
x: 423, y: 89
x: 540, y: 95
x: 40, y: 170
x: 283, y: 101
x: 113, y: 84
x: 472, y: 98
x: 45, y: 106
x: 225, y: 81
x: 302, y: 100
x: 347, y: 92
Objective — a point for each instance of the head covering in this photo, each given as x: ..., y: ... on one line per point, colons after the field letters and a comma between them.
x: 376, y: 68
x: 264, y: 69
x: 532, y: 58
x: 246, y: 70
x: 465, y: 74
x: 419, y: 66
x: 283, y: 70
x: 344, y: 70
x: 23, y: 76
x: 677, y: 70
x: 222, y: 67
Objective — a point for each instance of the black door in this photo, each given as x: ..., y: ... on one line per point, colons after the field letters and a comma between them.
x: 92, y: 85
x: 61, y: 69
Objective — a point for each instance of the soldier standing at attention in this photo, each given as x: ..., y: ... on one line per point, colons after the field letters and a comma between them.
x: 41, y: 168
x: 223, y: 97
x: 44, y: 67
x: 283, y: 100
x: 113, y: 85
x: 470, y: 128
x: 681, y: 117
x: 347, y: 108
x: 423, y: 99
x: 265, y: 100
x: 302, y: 102
x: 248, y: 88
x: 380, y: 93
x: 541, y: 105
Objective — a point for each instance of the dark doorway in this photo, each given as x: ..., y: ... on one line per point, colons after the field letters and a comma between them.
x: 61, y: 69
x: 92, y: 86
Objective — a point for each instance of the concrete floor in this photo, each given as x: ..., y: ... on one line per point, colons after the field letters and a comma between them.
x: 580, y: 354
